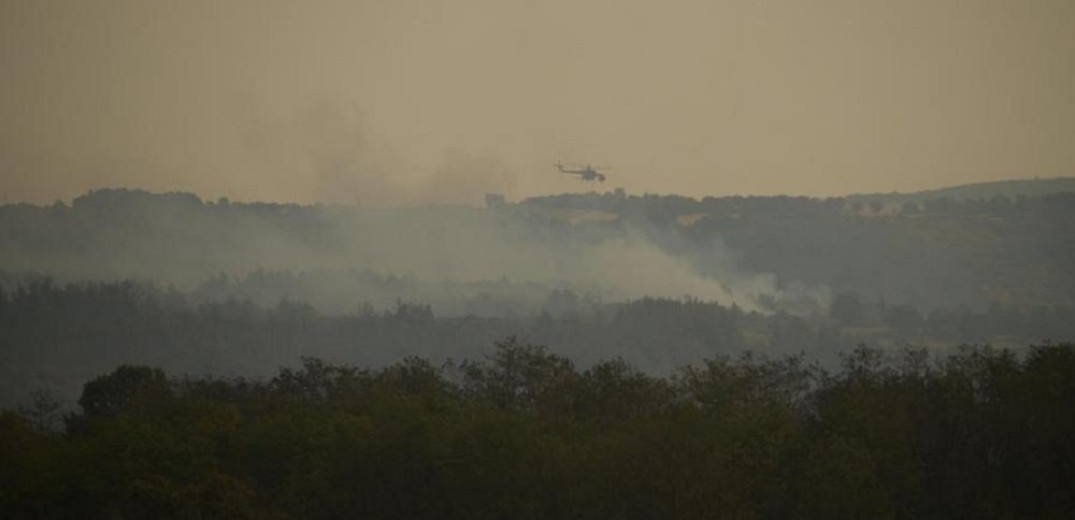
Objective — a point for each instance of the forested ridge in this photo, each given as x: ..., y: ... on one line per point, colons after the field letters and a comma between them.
x: 523, y: 433
x: 938, y: 252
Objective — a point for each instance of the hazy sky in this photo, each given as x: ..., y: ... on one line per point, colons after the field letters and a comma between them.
x: 408, y: 101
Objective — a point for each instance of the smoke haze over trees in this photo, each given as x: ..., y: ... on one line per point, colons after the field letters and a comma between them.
x: 660, y: 281
x: 537, y: 259
x: 748, y: 251
x: 776, y: 357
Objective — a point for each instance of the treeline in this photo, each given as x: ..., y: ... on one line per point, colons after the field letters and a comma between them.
x: 906, y: 324
x: 55, y: 335
x: 523, y: 433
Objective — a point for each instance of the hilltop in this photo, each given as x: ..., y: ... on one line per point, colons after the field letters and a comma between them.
x: 979, y: 190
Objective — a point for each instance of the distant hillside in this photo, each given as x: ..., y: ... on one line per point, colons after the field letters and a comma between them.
x: 941, y: 252
x: 980, y: 190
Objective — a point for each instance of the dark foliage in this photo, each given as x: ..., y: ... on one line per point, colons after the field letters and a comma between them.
x: 981, y: 433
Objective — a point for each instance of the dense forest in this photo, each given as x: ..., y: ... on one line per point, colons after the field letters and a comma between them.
x: 597, y: 355
x: 523, y: 433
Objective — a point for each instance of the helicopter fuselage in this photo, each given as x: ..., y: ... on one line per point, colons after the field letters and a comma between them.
x: 585, y: 174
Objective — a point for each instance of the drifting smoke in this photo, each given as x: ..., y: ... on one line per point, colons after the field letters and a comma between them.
x: 634, y: 268
x: 178, y: 239
x: 329, y: 155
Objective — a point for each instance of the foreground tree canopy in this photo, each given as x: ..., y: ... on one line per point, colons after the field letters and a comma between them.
x: 980, y: 433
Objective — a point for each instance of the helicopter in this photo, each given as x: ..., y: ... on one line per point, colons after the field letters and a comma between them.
x: 588, y: 174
